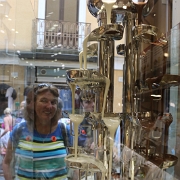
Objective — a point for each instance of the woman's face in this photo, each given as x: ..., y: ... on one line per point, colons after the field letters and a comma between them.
x: 45, y: 107
x: 88, y: 106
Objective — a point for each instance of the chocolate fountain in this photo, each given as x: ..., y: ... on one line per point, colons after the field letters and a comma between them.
x: 145, y: 123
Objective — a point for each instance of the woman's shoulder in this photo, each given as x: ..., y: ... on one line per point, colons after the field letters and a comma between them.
x: 6, y: 118
x: 21, y: 125
x: 20, y: 129
x: 58, y: 127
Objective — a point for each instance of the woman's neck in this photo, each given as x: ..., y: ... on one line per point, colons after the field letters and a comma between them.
x: 45, y: 128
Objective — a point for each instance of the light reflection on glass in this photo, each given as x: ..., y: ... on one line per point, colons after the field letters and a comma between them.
x: 140, y: 1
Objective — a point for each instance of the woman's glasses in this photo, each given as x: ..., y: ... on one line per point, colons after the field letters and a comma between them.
x: 40, y: 86
x: 44, y: 85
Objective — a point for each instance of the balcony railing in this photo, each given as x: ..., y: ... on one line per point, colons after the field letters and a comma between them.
x: 59, y: 35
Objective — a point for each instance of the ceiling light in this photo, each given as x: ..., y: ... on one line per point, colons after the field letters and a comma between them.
x: 124, y: 7
x: 154, y: 95
x: 166, y: 55
x: 140, y: 1
x: 115, y: 6
x: 172, y: 104
x: 108, y: 1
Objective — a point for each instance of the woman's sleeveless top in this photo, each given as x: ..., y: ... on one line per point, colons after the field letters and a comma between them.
x: 39, y: 156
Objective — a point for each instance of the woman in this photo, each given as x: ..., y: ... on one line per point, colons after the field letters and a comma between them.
x: 7, y: 127
x: 38, y: 142
x: 87, y: 105
x: 85, y: 139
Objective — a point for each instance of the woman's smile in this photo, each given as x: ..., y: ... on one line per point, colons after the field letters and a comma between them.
x: 45, y: 107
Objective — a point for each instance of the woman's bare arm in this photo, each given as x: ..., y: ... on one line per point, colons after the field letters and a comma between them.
x: 6, y: 126
x: 7, y: 161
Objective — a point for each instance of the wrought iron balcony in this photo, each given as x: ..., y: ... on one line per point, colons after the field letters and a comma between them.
x: 59, y: 36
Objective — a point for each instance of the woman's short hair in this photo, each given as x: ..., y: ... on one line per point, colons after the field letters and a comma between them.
x: 7, y: 111
x: 86, y: 96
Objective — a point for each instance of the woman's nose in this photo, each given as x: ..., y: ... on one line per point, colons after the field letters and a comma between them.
x: 49, y: 104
